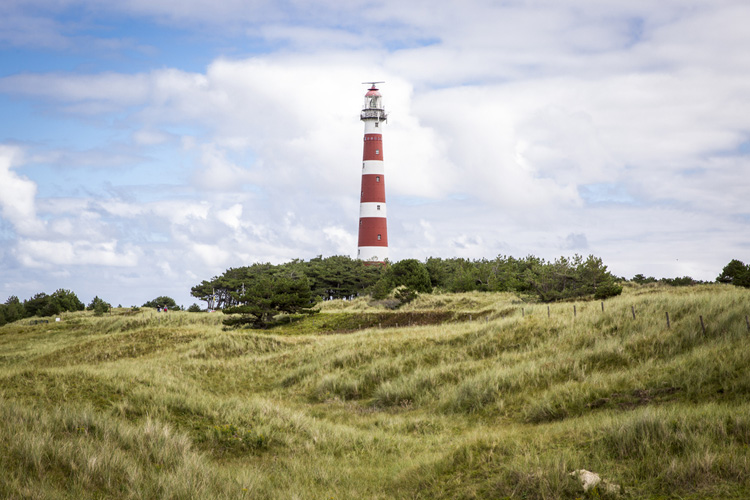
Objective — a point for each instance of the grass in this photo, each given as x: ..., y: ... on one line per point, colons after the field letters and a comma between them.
x: 470, y: 396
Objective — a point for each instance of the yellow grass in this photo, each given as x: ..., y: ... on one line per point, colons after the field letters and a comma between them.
x: 505, y: 405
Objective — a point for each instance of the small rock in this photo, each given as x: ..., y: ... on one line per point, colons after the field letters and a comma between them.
x: 590, y: 480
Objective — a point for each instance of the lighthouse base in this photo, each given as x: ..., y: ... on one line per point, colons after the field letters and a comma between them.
x: 372, y: 254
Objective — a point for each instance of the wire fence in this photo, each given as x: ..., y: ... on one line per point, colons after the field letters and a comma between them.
x: 635, y: 316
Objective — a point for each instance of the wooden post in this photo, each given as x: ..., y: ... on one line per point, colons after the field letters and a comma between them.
x: 602, y: 306
x: 668, y: 326
x: 548, y: 311
x: 574, y: 311
x: 703, y: 326
x: 632, y: 309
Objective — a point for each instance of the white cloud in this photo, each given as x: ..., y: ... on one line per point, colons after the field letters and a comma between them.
x: 232, y: 216
x: 17, y: 194
x: 46, y: 254
x: 146, y: 137
x: 217, y: 173
x: 212, y: 254
x: 618, y: 129
x: 342, y: 239
x: 93, y: 94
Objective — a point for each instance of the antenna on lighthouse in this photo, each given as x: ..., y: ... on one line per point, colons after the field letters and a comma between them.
x: 373, y: 107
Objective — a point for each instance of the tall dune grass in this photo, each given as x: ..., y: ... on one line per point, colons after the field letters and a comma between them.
x: 505, y: 405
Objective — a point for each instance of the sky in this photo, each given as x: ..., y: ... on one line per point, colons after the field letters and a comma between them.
x: 146, y: 146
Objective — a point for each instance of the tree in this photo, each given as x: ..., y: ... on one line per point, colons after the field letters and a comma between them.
x: 680, y: 281
x: 568, y: 278
x: 42, y: 304
x: 99, y: 306
x: 194, y: 308
x: 608, y: 289
x: 736, y: 273
x: 161, y: 302
x: 552, y: 280
x: 642, y: 280
x: 204, y: 292
x: 410, y: 273
x: 336, y: 277
x: 8, y: 313
x: 68, y: 300
x: 13, y: 310
x: 593, y: 277
x: 266, y: 296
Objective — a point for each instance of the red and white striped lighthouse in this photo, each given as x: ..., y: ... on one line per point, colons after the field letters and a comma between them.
x: 373, y: 231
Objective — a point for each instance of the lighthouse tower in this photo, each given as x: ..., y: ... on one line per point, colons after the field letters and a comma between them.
x: 373, y: 231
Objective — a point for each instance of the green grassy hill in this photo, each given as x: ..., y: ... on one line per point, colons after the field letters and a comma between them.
x: 453, y: 396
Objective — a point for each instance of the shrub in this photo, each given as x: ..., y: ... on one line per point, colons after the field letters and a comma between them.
x: 161, y: 302
x: 736, y: 273
x: 99, y: 306
x: 606, y: 290
x: 268, y: 296
x: 405, y: 295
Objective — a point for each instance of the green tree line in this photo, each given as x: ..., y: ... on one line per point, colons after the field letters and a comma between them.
x: 297, y: 285
x: 340, y: 277
x: 563, y: 278
x: 42, y: 305
x: 336, y: 277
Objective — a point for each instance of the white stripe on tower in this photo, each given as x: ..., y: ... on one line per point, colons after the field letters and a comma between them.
x: 373, y: 229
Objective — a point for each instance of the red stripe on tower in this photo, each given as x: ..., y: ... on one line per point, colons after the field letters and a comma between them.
x: 373, y: 229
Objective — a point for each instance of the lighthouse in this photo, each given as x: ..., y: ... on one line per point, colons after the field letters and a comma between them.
x: 373, y: 231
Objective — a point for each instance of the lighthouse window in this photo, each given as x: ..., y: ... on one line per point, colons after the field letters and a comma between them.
x: 376, y: 124
x: 378, y: 237
x: 377, y: 178
x: 377, y: 151
x: 378, y: 207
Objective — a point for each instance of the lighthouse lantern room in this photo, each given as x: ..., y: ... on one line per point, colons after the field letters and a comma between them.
x: 373, y: 231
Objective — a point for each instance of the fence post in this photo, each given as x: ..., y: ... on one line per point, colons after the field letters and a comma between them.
x: 703, y: 327
x: 548, y: 311
x: 574, y: 311
x: 632, y: 309
x: 602, y: 306
x: 668, y: 326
